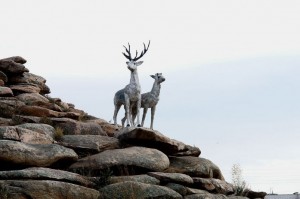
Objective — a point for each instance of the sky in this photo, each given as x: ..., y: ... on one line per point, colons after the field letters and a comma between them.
x: 231, y: 69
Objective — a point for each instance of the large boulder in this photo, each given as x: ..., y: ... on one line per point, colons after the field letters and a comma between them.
x: 40, y: 128
x: 73, y: 127
x: 13, y: 65
x: 28, y: 78
x: 107, y: 127
x: 129, y: 190
x: 46, y: 189
x: 143, y: 178
x: 9, y: 106
x: 21, y: 154
x: 3, y: 77
x: 39, y: 173
x: 24, y: 88
x: 195, y: 167
x: 213, y: 185
x: 172, y: 177
x: 89, y: 143
x: 137, y: 157
x: 24, y: 135
x: 150, y: 138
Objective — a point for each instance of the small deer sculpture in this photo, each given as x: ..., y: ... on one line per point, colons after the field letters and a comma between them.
x: 149, y: 100
x: 131, y: 94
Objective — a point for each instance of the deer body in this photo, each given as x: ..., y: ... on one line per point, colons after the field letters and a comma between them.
x: 149, y: 100
x: 131, y: 94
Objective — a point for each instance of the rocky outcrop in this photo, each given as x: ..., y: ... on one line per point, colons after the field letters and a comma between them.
x: 50, y: 149
x: 131, y: 189
x: 136, y: 157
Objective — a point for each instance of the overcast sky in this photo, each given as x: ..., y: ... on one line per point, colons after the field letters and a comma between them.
x: 231, y: 68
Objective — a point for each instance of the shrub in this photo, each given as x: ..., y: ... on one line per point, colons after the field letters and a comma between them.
x: 240, y: 186
x: 59, y: 133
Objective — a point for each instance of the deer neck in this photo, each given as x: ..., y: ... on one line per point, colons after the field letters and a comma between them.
x: 134, y: 79
x: 156, y: 89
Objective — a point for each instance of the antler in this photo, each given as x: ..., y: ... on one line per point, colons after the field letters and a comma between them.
x: 142, y: 53
x: 128, y: 56
x: 128, y: 52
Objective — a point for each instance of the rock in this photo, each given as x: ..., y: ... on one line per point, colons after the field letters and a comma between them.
x: 24, y: 88
x: 3, y: 77
x: 47, y: 189
x: 25, y: 135
x: 9, y: 106
x: 182, y: 190
x: 72, y: 127
x: 128, y: 190
x: 213, y: 185
x: 40, y: 128
x: 109, y: 129
x: 136, y: 178
x: 18, y: 153
x: 205, y: 196
x: 32, y: 98
x: 195, y: 167
x: 89, y: 143
x: 150, y: 138
x: 252, y: 194
x: 28, y: 78
x: 20, y: 119
x: 5, y: 92
x: 138, y: 157
x: 237, y: 197
x: 13, y: 65
x: 172, y: 177
x: 17, y: 59
x: 39, y: 173
x: 189, y: 151
x: 6, y: 121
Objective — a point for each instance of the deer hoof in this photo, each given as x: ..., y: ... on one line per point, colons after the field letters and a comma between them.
x: 128, y: 125
x: 138, y: 125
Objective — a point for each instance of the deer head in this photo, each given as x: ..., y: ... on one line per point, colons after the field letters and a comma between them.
x: 158, y: 77
x: 132, y: 62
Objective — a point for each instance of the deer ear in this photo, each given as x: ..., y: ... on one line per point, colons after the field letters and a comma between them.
x: 138, y: 63
x: 153, y: 76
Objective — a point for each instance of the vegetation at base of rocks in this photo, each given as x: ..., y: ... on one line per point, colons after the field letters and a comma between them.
x: 58, y: 134
x: 3, y: 191
x: 240, y: 185
x: 46, y: 120
x: 83, y: 117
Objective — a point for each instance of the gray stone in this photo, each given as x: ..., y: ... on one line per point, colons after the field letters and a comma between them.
x: 5, y: 92
x: 150, y: 138
x: 136, y: 178
x: 89, y: 143
x: 194, y: 167
x: 25, y: 135
x: 39, y: 173
x: 18, y: 153
x: 172, y: 177
x: 129, y: 190
x: 47, y: 189
x: 205, y: 196
x: 213, y: 185
x: 150, y: 159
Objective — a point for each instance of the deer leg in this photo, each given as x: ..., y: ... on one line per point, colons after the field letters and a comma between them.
x: 123, y: 120
x: 152, y: 116
x: 131, y: 113
x: 117, y: 108
x: 127, y: 107
x: 144, y: 115
x: 138, y: 106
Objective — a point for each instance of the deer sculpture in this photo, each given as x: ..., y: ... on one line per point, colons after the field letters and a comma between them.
x: 131, y: 94
x: 149, y: 100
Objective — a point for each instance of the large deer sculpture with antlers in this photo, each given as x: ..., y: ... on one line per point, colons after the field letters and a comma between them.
x: 131, y: 94
x: 149, y: 100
